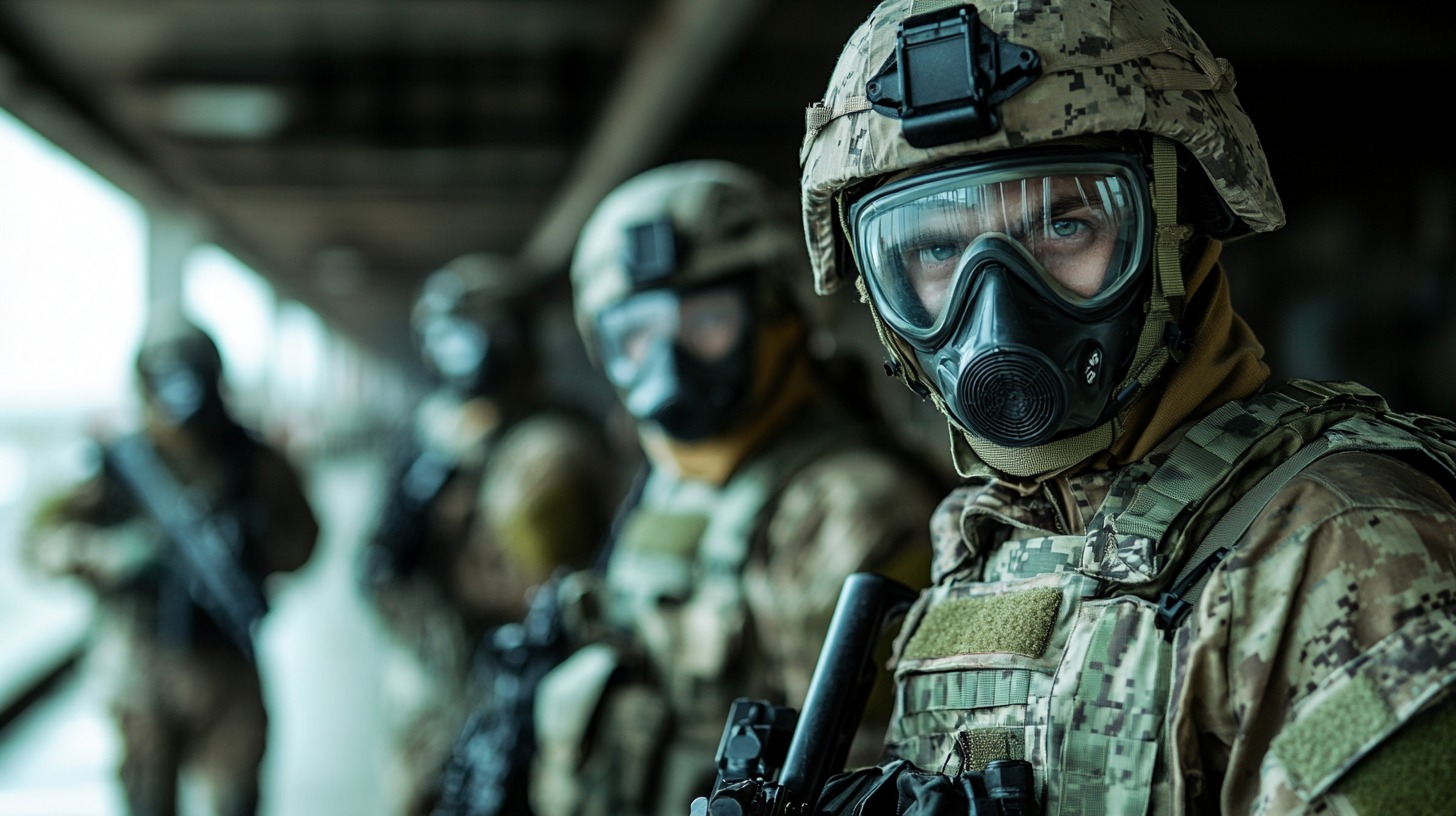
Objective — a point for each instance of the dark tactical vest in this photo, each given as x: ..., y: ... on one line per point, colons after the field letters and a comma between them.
x: 1061, y: 649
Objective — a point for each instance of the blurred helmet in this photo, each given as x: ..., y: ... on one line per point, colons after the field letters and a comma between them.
x: 180, y: 371
x: 960, y: 153
x: 674, y: 277
x: 470, y: 324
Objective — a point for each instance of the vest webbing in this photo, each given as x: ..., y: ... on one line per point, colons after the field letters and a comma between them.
x: 1233, y: 444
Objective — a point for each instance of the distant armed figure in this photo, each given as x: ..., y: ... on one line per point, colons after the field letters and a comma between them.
x: 765, y: 488
x: 493, y: 488
x: 176, y: 533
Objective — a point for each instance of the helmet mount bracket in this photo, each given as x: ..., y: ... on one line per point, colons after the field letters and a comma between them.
x: 650, y: 252
x: 947, y: 76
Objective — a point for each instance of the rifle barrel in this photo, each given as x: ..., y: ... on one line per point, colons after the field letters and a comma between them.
x: 842, y: 681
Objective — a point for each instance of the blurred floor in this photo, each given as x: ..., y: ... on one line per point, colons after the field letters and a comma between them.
x: 323, y: 658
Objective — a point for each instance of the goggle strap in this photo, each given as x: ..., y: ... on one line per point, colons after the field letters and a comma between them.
x: 904, y: 365
x: 1166, y: 303
x: 842, y: 212
x: 1168, y: 233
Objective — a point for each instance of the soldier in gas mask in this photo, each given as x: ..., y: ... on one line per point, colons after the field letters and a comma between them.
x: 1166, y: 583
x: 494, y: 487
x: 176, y: 533
x: 770, y: 478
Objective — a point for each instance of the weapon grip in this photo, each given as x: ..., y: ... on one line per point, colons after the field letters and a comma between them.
x: 842, y: 681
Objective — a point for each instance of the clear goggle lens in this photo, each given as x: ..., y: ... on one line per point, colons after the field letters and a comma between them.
x: 706, y: 323
x: 1080, y: 227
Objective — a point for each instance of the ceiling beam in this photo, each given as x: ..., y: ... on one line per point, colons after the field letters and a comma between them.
x: 673, y: 61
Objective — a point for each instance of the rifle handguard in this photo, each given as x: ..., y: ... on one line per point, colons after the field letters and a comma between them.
x: 773, y: 762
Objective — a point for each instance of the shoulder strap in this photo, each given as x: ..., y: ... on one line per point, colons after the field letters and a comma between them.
x: 1177, y: 601
x: 1374, y: 431
x: 1219, y: 445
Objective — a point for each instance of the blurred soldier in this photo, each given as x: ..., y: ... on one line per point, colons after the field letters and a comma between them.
x: 766, y: 486
x: 493, y: 490
x: 1166, y: 584
x: 176, y: 534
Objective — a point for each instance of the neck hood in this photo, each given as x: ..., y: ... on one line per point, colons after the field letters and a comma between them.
x: 1226, y: 362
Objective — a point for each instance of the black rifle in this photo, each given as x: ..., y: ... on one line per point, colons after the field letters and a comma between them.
x: 204, y: 544
x: 774, y: 761
x: 488, y: 771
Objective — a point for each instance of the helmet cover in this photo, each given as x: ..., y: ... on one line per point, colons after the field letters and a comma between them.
x: 675, y: 276
x: 1107, y: 68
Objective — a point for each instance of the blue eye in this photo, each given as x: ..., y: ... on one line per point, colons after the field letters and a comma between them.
x: 1065, y: 228
x: 939, y: 253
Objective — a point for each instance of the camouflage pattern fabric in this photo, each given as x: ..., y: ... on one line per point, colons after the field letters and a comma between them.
x: 193, y: 698
x: 1107, y: 67
x: 524, y: 497
x: 1329, y: 629
x: 722, y: 592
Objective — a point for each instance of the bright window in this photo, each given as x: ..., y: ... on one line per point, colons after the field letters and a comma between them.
x: 71, y: 281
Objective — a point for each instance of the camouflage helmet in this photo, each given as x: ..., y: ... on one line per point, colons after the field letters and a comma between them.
x: 1105, y: 68
x: 700, y: 221
x: 475, y: 287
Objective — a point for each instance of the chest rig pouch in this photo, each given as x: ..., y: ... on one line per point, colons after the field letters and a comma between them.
x: 675, y: 582
x: 1059, y: 649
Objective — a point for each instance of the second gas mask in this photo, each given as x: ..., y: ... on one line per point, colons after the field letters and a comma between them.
x: 1018, y: 283
x: 475, y: 357
x: 682, y: 358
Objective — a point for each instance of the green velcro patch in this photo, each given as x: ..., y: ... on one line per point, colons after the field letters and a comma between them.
x: 648, y: 531
x: 1410, y: 772
x: 1014, y: 623
x: 1325, y: 737
x: 979, y: 747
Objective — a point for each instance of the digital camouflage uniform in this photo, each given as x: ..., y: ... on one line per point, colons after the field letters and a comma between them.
x: 491, y: 492
x: 727, y: 563
x: 1049, y: 646
x: 184, y: 695
x: 1313, y: 671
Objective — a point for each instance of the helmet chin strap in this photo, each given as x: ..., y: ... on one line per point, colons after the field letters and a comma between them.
x: 1157, y: 346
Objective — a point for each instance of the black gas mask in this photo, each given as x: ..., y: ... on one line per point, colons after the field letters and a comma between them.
x: 182, y: 392
x: 476, y: 358
x: 682, y: 358
x: 1018, y: 283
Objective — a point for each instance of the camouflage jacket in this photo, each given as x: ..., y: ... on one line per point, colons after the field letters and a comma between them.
x: 100, y: 532
x: 1314, y: 666
x: 511, y: 501
x: 723, y: 592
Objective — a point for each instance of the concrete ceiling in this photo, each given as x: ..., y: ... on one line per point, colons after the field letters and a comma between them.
x: 346, y: 148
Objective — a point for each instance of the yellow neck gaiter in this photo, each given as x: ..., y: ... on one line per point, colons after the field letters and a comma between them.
x: 782, y: 382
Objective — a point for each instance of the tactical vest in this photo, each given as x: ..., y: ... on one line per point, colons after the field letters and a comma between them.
x: 675, y: 576
x: 674, y: 580
x: 1061, y: 651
